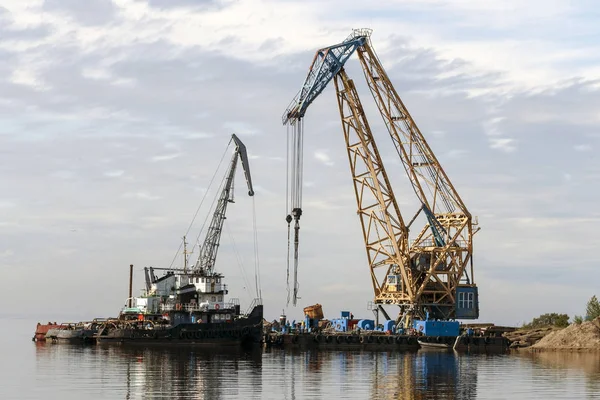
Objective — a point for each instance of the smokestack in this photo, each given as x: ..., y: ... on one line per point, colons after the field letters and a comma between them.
x: 130, y: 285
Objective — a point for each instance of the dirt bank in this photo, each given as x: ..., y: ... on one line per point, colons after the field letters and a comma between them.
x: 582, y: 337
x: 526, y: 337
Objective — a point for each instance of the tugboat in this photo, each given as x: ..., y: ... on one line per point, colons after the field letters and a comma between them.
x: 188, y: 305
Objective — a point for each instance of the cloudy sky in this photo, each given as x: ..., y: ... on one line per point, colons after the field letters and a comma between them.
x: 115, y: 115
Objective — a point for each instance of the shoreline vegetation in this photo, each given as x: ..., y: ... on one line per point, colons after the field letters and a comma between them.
x: 553, y: 332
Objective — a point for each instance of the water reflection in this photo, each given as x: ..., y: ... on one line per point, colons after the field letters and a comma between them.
x: 193, y: 373
x: 404, y: 375
x: 178, y: 373
x: 424, y: 375
x: 563, y: 364
x: 68, y: 371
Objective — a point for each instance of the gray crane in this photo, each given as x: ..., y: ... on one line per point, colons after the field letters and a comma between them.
x: 208, y: 252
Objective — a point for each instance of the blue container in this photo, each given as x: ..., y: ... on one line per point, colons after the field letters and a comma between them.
x: 340, y: 325
x: 437, y: 328
x: 366, y: 324
x: 389, y: 325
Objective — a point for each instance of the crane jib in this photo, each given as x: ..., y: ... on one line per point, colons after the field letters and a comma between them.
x: 327, y: 63
x: 208, y: 251
x: 241, y: 150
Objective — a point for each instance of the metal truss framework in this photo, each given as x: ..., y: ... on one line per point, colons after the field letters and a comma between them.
x: 205, y: 263
x: 420, y: 275
x: 439, y: 258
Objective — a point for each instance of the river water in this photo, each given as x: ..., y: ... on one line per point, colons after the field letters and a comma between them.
x: 31, y: 370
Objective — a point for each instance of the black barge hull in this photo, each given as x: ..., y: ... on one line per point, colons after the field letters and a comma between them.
x: 244, y: 331
x: 345, y: 341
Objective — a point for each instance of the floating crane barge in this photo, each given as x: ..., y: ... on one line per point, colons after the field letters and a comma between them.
x: 348, y: 333
x: 424, y: 263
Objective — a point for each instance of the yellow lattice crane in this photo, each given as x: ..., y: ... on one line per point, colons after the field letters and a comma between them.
x: 426, y: 270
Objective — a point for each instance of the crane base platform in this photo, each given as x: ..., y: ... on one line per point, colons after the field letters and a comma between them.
x: 346, y: 341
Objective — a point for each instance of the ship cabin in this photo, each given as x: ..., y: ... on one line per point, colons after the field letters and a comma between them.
x: 184, y: 297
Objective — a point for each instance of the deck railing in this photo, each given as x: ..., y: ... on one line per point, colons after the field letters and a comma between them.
x: 230, y: 305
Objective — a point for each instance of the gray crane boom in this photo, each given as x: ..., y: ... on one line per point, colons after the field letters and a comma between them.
x: 208, y: 252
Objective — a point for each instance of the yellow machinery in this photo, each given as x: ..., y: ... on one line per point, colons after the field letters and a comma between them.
x: 425, y: 269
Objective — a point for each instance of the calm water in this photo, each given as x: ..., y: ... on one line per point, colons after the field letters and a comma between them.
x: 56, y: 371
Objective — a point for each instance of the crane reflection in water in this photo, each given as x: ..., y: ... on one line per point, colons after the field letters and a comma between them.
x: 73, y: 371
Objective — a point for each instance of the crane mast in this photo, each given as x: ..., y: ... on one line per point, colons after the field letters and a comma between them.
x: 432, y: 272
x: 205, y: 263
x: 383, y: 228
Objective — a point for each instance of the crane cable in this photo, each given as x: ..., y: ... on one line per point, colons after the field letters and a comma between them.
x: 288, y: 218
x: 295, y: 144
x: 200, y: 206
x: 256, y: 258
x: 209, y: 214
x: 238, y: 259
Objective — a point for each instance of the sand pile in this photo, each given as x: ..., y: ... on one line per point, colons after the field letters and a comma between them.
x: 528, y: 337
x: 585, y: 336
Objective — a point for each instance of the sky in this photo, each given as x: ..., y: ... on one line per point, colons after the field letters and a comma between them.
x: 116, y: 115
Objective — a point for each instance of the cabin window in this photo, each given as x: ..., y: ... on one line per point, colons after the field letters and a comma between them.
x: 218, y: 280
x: 202, y: 280
x: 220, y: 298
x: 466, y: 300
x: 469, y: 300
x: 227, y: 316
x: 213, y: 299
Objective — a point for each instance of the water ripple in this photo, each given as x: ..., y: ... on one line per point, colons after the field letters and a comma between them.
x: 58, y: 371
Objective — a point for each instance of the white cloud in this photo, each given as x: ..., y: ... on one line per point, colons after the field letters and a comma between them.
x: 63, y: 174
x: 7, y: 204
x: 114, y: 173
x: 96, y: 73
x: 124, y: 82
x: 166, y: 157
x: 6, y: 253
x: 321, y: 204
x: 491, y: 127
x: 480, y: 81
x: 456, y: 153
x: 582, y: 147
x: 198, y: 135
x: 141, y: 196
x: 27, y: 77
x: 240, y: 128
x: 323, y: 157
x: 504, y: 144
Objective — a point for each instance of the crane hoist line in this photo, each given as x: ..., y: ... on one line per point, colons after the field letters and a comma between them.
x: 207, y: 256
x: 429, y: 273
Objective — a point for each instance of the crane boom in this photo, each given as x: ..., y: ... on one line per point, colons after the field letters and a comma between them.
x: 442, y: 250
x: 424, y: 275
x: 384, y: 231
x: 327, y: 62
x: 208, y: 251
